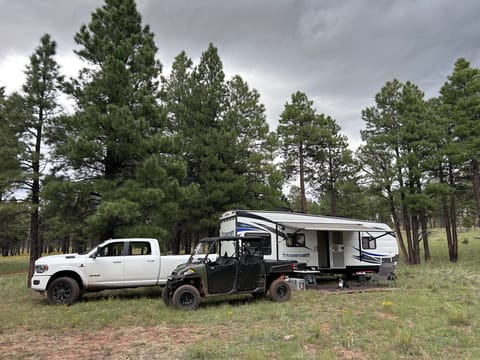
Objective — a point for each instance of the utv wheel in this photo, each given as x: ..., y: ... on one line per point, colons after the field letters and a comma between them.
x: 167, y: 299
x: 186, y: 297
x: 280, y: 290
x: 63, y: 291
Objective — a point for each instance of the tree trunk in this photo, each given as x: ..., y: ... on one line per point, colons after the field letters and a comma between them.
x: 426, y: 245
x: 407, y: 226
x: 303, y: 199
x: 453, y: 218
x: 475, y: 168
x: 415, y: 240
x: 177, y: 232
x: 333, y: 200
x: 396, y: 223
x: 35, y: 245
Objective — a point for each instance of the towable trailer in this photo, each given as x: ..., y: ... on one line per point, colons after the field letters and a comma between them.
x: 327, y: 245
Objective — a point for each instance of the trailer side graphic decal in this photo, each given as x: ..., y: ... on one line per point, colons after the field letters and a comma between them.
x: 368, y: 257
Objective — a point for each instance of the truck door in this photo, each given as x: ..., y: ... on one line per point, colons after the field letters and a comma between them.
x: 140, y: 265
x: 107, y: 268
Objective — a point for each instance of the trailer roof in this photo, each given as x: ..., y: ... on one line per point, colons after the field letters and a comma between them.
x: 328, y: 226
x: 310, y: 222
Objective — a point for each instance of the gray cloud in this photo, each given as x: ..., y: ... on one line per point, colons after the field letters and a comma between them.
x: 340, y: 53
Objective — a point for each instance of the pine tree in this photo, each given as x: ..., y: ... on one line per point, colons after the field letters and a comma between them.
x: 460, y: 104
x: 10, y: 148
x: 252, y: 147
x: 12, y: 219
x: 331, y: 160
x: 221, y: 128
x: 394, y: 157
x: 297, y: 132
x: 117, y: 140
x: 40, y: 105
x: 458, y: 113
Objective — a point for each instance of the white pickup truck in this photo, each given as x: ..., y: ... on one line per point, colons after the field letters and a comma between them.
x: 114, y: 264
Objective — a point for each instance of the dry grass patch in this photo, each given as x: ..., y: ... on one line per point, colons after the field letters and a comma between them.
x: 155, y: 342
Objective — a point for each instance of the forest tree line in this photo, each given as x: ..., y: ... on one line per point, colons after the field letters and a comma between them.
x: 145, y: 154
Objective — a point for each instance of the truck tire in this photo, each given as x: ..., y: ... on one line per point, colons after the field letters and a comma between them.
x: 167, y: 299
x: 63, y: 291
x: 280, y: 290
x: 186, y: 297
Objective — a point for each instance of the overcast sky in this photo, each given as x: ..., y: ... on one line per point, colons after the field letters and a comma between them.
x: 340, y: 53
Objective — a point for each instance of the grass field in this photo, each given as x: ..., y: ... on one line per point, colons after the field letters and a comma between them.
x: 433, y: 314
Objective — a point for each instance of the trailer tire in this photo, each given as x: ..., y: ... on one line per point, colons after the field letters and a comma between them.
x: 186, y: 297
x: 167, y: 299
x: 63, y: 291
x: 280, y: 290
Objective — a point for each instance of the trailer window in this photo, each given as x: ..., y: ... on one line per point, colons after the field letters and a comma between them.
x: 296, y: 240
x: 369, y: 242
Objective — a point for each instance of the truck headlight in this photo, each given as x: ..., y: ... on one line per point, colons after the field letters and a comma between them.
x: 41, y: 268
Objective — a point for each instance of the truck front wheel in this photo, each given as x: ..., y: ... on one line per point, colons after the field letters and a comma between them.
x: 186, y: 297
x: 63, y: 291
x: 280, y: 290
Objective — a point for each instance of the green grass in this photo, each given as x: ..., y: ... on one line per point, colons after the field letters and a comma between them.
x: 433, y: 314
x: 13, y: 264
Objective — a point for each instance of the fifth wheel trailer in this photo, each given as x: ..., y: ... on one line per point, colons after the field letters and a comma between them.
x: 327, y: 245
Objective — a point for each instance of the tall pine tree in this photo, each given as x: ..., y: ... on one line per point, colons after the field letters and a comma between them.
x: 40, y: 105
x: 117, y: 141
x: 296, y: 132
x: 12, y: 219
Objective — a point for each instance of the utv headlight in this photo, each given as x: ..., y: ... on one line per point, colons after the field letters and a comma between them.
x: 188, y: 271
x: 41, y: 268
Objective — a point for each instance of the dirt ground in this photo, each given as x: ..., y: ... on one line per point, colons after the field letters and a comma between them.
x: 127, y: 343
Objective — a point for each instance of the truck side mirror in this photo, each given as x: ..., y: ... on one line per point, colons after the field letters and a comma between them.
x: 96, y: 252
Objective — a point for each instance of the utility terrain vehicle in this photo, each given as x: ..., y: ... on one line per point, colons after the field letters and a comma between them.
x: 230, y: 265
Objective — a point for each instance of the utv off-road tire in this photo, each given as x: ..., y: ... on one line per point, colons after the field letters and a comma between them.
x: 280, y: 290
x: 167, y: 299
x: 63, y: 291
x: 186, y: 297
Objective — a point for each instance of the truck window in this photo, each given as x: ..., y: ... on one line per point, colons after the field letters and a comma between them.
x: 139, y: 248
x: 296, y: 240
x: 112, y: 249
x: 369, y: 242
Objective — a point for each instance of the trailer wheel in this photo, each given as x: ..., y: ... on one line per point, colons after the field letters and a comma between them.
x: 280, y: 290
x: 63, y: 291
x: 186, y: 297
x: 167, y: 299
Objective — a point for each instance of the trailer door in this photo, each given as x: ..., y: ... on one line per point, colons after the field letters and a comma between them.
x: 338, y: 250
x: 323, y: 249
